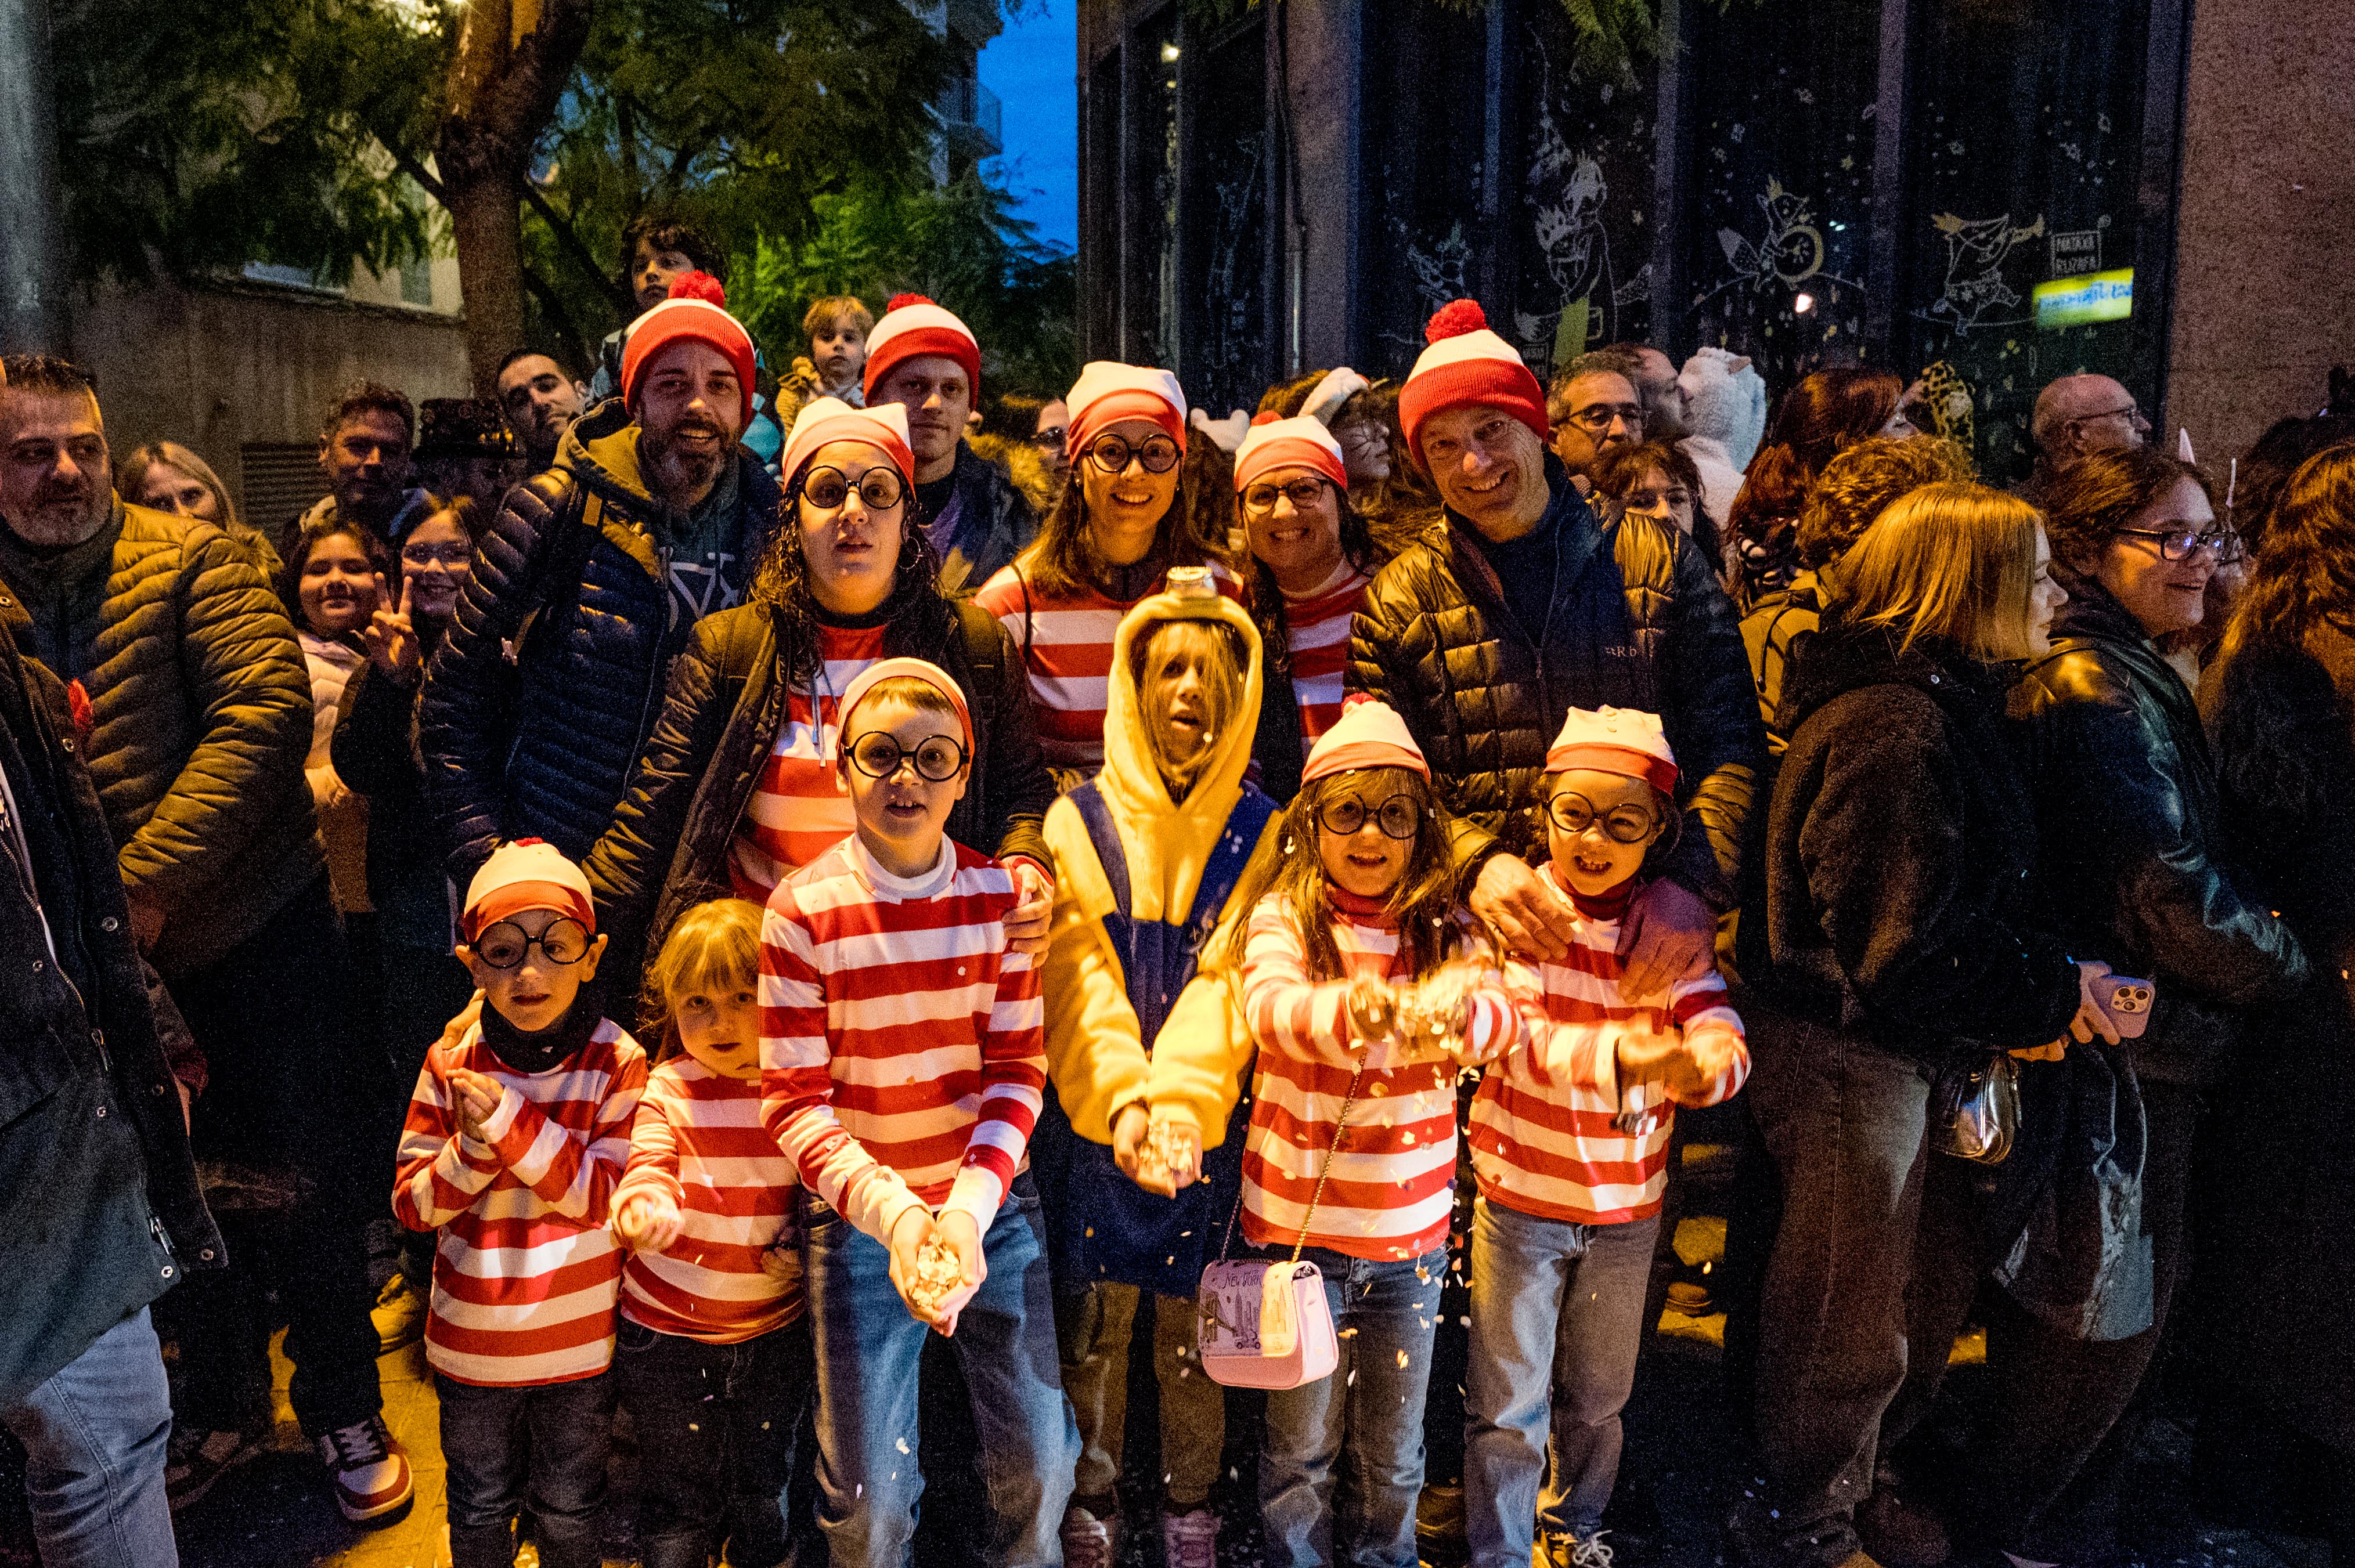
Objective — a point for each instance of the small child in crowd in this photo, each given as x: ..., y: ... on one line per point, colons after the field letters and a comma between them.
x: 1570, y: 1148
x: 1350, y: 1159
x: 714, y: 1366
x: 902, y: 1062
x: 835, y: 328
x: 515, y: 1139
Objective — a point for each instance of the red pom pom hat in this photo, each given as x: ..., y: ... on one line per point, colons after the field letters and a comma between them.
x: 697, y: 311
x: 1467, y: 366
x: 1275, y: 443
x: 912, y: 327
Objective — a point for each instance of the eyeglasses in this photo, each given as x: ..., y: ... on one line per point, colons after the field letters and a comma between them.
x: 1598, y: 420
x: 2130, y: 412
x: 1574, y: 813
x: 447, y: 555
x: 1159, y: 454
x: 504, y: 946
x: 1678, y: 499
x: 828, y: 488
x: 2179, y: 543
x: 937, y: 759
x: 1304, y: 493
x: 1050, y: 440
x: 1398, y: 817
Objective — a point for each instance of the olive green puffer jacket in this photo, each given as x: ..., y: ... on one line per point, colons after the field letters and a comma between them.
x: 199, y: 717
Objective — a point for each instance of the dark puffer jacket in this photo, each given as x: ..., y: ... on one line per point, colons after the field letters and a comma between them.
x: 1901, y: 854
x: 542, y: 746
x: 2131, y: 866
x: 199, y: 717
x: 669, y: 847
x: 1637, y: 621
x: 99, y: 1205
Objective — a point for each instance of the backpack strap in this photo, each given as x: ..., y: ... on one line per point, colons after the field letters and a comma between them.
x: 982, y: 642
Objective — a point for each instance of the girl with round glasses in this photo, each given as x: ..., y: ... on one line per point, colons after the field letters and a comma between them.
x: 1121, y: 523
x: 737, y: 788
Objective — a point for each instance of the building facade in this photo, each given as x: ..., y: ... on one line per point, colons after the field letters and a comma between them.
x: 2004, y: 187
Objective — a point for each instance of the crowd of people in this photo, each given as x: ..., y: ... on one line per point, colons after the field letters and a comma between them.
x: 686, y: 889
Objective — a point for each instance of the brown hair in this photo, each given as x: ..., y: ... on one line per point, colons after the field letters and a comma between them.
x: 1955, y: 563
x: 1828, y: 412
x: 2087, y: 502
x: 1062, y: 561
x: 313, y: 535
x: 368, y: 397
x: 1620, y: 469
x: 2306, y: 565
x: 827, y: 309
x: 1861, y: 482
x: 712, y: 947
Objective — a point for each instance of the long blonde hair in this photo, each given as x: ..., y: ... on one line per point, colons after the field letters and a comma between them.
x: 132, y: 472
x: 712, y: 947
x: 1955, y: 563
x: 1223, y: 662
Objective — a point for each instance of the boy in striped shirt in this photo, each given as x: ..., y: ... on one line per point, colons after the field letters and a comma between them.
x: 902, y: 1062
x: 515, y: 1139
x: 1569, y: 1144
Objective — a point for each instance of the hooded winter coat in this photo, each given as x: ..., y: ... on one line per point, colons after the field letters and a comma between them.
x: 545, y: 690
x: 1900, y: 855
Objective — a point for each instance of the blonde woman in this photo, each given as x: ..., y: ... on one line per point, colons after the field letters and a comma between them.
x: 164, y: 476
x: 1900, y: 881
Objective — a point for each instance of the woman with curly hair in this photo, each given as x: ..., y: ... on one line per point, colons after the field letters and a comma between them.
x: 735, y: 788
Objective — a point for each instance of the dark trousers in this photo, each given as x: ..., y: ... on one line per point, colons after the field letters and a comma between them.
x: 1844, y: 1123
x: 292, y: 1077
x: 544, y: 1446
x: 715, y: 1427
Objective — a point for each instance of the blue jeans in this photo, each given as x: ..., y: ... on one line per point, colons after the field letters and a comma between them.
x: 869, y: 1481
x: 94, y: 1434
x: 1370, y: 1412
x: 544, y: 1445
x: 1557, y: 1319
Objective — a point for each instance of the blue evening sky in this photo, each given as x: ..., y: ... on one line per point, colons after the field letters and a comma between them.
x: 1032, y: 67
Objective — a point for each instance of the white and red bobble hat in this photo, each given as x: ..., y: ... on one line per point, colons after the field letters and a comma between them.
x: 899, y: 669
x: 1627, y: 741
x: 1274, y: 442
x: 1368, y: 733
x: 1467, y: 365
x: 912, y: 327
x: 824, y: 419
x: 1108, y: 392
x: 697, y: 311
x: 526, y: 873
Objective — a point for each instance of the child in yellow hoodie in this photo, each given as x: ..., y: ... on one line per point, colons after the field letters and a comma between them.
x: 1147, y: 856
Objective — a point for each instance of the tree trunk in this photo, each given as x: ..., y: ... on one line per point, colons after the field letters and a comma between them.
x: 513, y: 61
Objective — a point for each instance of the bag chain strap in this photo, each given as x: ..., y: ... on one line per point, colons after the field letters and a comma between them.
x: 1339, y: 1123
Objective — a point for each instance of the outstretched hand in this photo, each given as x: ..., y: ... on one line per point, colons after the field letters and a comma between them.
x: 390, y: 638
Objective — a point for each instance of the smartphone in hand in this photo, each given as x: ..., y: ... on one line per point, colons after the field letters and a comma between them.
x: 2127, y: 1001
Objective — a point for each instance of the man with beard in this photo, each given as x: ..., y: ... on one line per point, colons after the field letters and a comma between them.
x: 367, y: 448
x: 924, y: 359
x: 586, y: 585
x: 540, y: 402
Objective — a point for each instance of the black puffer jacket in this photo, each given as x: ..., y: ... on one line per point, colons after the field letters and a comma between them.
x: 2130, y: 860
x: 1901, y: 854
x: 667, y: 849
x: 543, y: 747
x: 1637, y: 621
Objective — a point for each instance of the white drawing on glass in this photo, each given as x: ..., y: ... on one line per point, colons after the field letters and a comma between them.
x: 1976, y: 248
x: 1567, y: 191
x: 1788, y: 251
x: 1233, y: 286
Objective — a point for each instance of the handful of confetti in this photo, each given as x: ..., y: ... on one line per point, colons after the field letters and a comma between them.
x: 1165, y: 1150
x: 1430, y: 1014
x: 938, y: 1274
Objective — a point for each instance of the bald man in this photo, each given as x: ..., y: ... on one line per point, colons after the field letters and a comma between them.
x: 2080, y: 414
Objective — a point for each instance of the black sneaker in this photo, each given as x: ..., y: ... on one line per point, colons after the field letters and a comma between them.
x: 194, y: 1460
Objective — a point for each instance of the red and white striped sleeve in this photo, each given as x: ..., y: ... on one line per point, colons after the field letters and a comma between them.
x: 441, y: 1169
x: 1013, y: 1086
x: 1702, y: 1009
x: 572, y: 1172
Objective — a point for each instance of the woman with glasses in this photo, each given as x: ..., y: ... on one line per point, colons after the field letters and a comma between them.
x: 1312, y: 554
x: 2134, y: 866
x: 1116, y: 531
x: 736, y: 789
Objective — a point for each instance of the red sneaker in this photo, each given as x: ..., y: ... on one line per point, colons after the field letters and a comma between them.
x: 367, y: 1470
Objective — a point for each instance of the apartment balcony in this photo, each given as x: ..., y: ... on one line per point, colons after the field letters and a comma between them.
x: 971, y: 119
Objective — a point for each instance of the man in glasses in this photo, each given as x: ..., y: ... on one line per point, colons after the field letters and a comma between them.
x: 1595, y: 405
x: 2080, y: 414
x: 587, y: 583
x: 927, y: 360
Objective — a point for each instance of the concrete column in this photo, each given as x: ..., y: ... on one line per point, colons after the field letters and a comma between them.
x: 34, y: 269
x: 1325, y: 39
x: 2265, y: 298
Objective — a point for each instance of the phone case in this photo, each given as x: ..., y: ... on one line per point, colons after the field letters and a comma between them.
x: 2127, y: 1001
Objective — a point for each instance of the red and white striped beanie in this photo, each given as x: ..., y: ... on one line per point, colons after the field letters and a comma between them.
x: 1467, y: 365
x: 912, y: 327
x: 1626, y: 741
x: 1108, y: 392
x: 824, y: 420
x: 1368, y: 733
x: 526, y: 873
x: 1274, y: 442
x: 697, y: 311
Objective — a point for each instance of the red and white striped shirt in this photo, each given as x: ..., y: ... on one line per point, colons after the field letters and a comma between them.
x: 797, y: 812
x: 1068, y: 642
x: 525, y: 1273
x: 1546, y: 1125
x: 698, y: 1141
x: 1393, y: 1182
x: 1316, y: 632
x: 903, y: 1050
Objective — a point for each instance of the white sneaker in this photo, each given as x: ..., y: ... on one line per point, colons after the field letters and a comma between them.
x: 367, y: 1468
x: 1190, y: 1540
x: 1087, y: 1539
